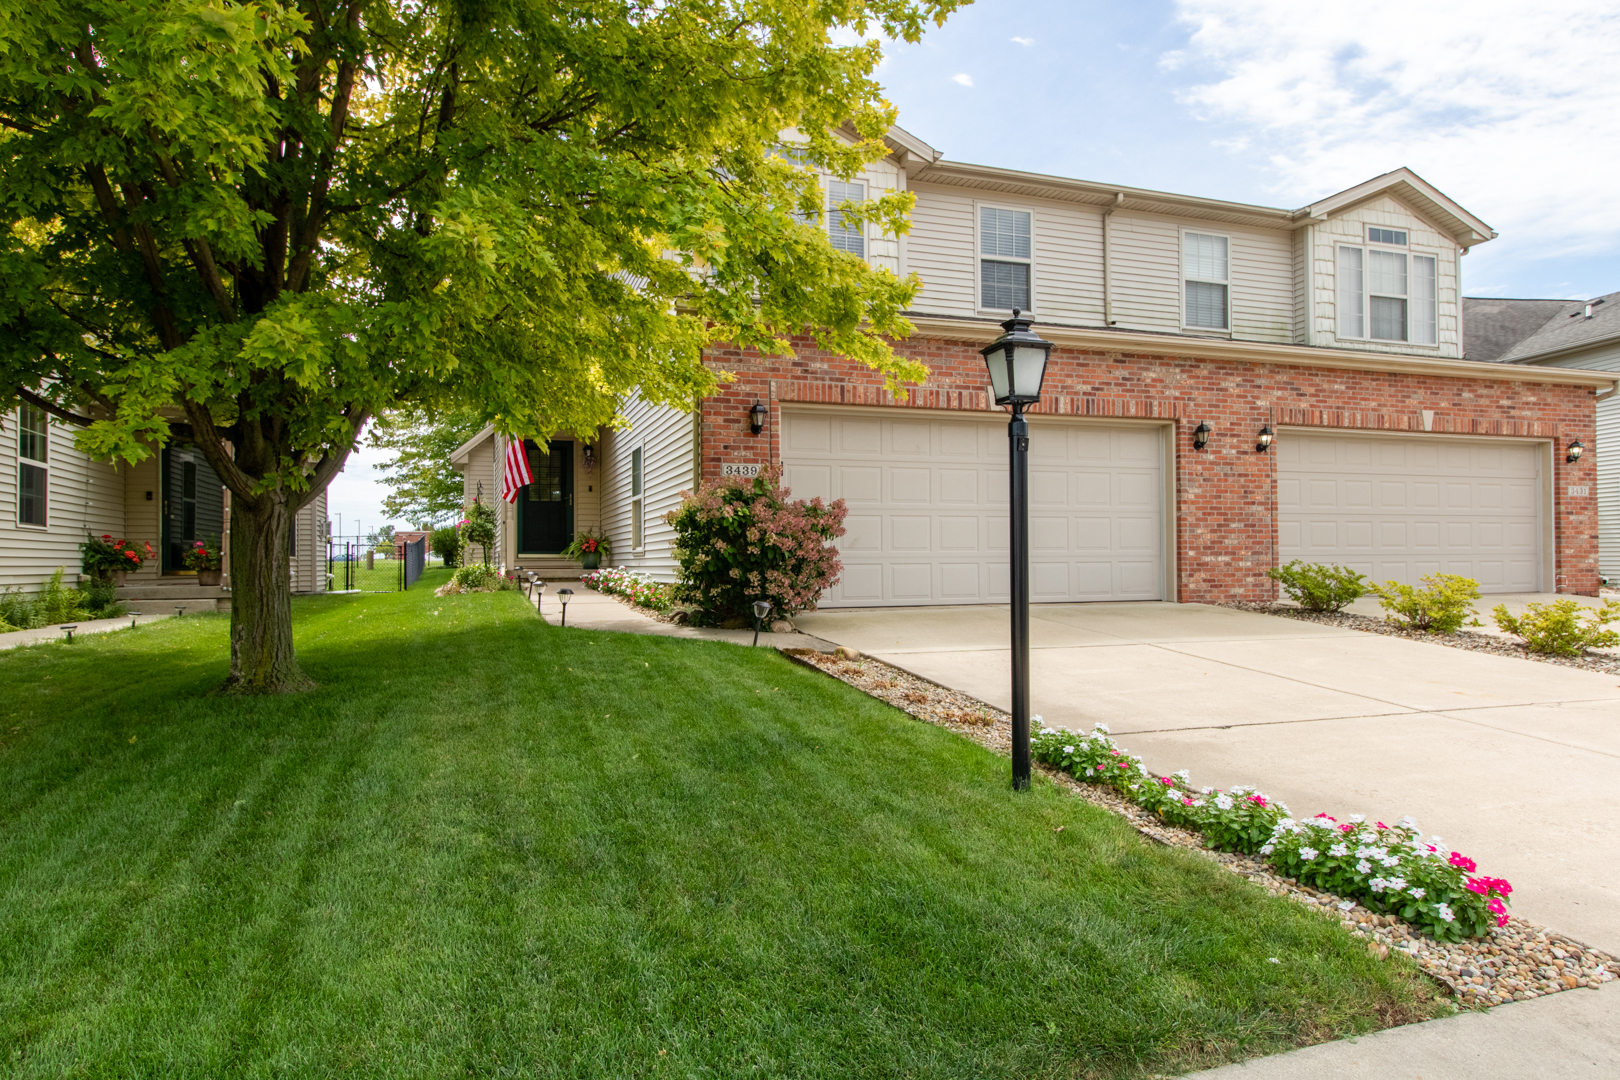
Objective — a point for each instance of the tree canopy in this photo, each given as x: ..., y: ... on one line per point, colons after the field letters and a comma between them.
x: 255, y: 225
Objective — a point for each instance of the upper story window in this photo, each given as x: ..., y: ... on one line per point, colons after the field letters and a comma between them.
x: 1387, y: 295
x: 33, y: 449
x: 1375, y: 235
x: 1205, y: 269
x: 845, y: 235
x: 1005, y: 258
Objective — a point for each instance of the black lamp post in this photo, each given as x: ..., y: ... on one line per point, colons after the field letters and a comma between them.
x: 1017, y: 363
x: 762, y: 608
x: 565, y: 595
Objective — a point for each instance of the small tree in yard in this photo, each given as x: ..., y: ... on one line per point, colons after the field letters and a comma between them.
x: 744, y: 540
x: 478, y: 527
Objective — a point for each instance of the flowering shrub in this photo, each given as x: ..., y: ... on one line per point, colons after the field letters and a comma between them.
x: 476, y: 578
x: 107, y: 554
x: 202, y: 555
x: 1389, y: 868
x: 1561, y: 628
x: 639, y: 589
x: 739, y: 541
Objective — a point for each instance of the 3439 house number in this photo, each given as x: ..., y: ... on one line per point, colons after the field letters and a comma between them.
x: 740, y: 470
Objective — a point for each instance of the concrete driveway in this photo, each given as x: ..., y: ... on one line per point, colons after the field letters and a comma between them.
x: 1513, y: 762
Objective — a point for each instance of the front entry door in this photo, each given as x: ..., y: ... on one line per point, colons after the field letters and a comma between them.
x: 193, y: 504
x: 546, y: 520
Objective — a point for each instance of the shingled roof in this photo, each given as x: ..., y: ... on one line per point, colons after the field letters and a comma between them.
x: 1515, y: 331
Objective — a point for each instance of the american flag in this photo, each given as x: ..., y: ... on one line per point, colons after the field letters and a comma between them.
x: 515, y: 475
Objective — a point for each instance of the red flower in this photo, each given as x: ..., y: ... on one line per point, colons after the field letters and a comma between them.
x: 1258, y: 800
x: 1463, y: 862
x: 132, y: 555
x: 1347, y: 827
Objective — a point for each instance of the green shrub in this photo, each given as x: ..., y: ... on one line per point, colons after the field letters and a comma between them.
x: 55, y: 603
x: 476, y: 578
x: 1561, y: 628
x: 1317, y: 587
x: 1442, y: 608
x: 101, y: 599
x: 446, y: 544
x: 478, y: 527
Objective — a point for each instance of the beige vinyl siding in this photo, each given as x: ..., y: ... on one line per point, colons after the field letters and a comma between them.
x: 1068, y: 264
x: 1350, y: 227
x: 940, y: 250
x: 1262, y: 285
x: 143, y: 516
x: 668, y: 441
x: 1299, y: 326
x: 882, y: 249
x: 82, y: 496
x: 1144, y: 270
x: 308, y: 564
x: 480, y: 481
x: 1605, y: 456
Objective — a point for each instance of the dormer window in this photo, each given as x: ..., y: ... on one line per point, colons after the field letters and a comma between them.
x: 1387, y: 295
x: 1005, y: 258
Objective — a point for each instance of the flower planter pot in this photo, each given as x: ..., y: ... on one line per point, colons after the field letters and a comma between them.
x: 590, y: 560
x: 208, y: 577
x: 117, y: 577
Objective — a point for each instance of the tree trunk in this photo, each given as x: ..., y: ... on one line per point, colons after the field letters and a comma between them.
x: 262, y: 660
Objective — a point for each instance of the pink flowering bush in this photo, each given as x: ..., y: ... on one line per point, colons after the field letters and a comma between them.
x: 639, y: 589
x: 1392, y: 868
x: 744, y: 540
x: 1388, y: 868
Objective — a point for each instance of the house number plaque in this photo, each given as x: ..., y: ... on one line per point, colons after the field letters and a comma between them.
x: 740, y: 470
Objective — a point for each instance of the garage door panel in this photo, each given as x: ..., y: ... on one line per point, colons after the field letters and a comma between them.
x: 929, y: 506
x: 1399, y: 507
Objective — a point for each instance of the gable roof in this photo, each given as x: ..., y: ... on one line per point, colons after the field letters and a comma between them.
x: 1565, y: 328
x: 458, y: 456
x: 1493, y: 326
x: 1416, y: 192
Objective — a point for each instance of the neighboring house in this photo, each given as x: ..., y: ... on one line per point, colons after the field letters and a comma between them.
x: 1336, y: 325
x: 403, y: 538
x: 54, y: 495
x: 1583, y: 334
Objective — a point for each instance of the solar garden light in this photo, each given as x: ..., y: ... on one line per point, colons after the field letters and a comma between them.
x: 69, y: 631
x: 539, y: 594
x: 179, y: 611
x: 1576, y: 449
x: 762, y: 608
x: 563, y: 595
x: 132, y: 617
x: 1017, y: 364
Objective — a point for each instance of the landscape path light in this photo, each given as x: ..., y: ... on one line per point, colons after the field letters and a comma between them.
x: 762, y: 608
x: 1017, y: 364
x: 69, y: 631
x: 564, y: 595
x: 132, y: 617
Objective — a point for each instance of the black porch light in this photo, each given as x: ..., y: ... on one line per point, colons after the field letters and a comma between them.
x: 1265, y: 439
x: 1201, y: 435
x: 756, y: 417
x: 564, y: 595
x: 1017, y: 363
x: 1576, y: 449
x: 762, y: 608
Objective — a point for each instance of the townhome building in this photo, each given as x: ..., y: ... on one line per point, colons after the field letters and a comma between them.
x: 1232, y: 387
x: 57, y: 494
x: 1582, y: 334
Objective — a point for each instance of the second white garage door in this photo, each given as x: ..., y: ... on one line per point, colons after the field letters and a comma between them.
x: 927, y: 499
x: 1399, y: 507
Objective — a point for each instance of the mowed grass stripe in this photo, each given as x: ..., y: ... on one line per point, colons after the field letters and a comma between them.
x: 487, y: 846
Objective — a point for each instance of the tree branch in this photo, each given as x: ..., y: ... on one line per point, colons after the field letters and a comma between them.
x: 205, y: 437
x: 51, y: 407
x: 332, y: 462
x: 308, y: 234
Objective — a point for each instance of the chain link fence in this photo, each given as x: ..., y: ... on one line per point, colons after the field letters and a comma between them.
x: 360, y: 564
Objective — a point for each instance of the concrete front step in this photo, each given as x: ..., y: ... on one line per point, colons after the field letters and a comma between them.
x: 549, y: 567
x: 164, y: 596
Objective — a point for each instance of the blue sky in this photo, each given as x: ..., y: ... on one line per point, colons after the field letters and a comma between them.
x: 1509, y: 107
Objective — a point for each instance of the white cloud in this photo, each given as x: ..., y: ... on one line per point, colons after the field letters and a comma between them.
x: 1024, y: 41
x: 965, y: 79
x: 1512, y: 109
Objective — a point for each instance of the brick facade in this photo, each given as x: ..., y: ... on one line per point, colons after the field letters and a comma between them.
x: 1226, y: 522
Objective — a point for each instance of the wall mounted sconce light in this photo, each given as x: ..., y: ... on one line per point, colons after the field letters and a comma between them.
x: 1265, y: 439
x: 1201, y: 435
x: 1576, y: 449
x: 590, y: 457
x: 756, y: 418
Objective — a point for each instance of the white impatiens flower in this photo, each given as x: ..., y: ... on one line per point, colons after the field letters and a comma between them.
x: 1338, y: 851
x: 1267, y: 849
x: 1100, y: 727
x: 1224, y: 802
x: 1377, y: 884
x: 1358, y: 818
x: 1444, y: 911
x: 1418, y: 894
x: 1068, y: 749
x: 1363, y: 867
x: 1308, y: 853
x: 1408, y: 822
x: 1205, y: 790
x: 1037, y: 721
x: 1396, y: 884
x: 1184, y: 774
x: 1346, y: 905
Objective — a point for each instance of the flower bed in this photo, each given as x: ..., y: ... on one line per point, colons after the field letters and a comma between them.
x: 1388, y: 868
x: 639, y: 589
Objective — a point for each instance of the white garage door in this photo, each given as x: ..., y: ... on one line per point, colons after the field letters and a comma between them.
x: 927, y: 500
x: 1397, y: 508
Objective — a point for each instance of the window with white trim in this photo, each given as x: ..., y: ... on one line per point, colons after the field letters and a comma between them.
x: 844, y: 234
x: 1005, y: 259
x: 1206, y: 284
x: 635, y: 500
x: 1387, y: 295
x: 33, y: 450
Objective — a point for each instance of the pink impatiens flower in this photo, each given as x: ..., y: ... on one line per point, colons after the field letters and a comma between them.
x: 1463, y: 862
x: 1347, y: 827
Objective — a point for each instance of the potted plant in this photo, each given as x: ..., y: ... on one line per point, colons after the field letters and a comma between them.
x: 203, y: 558
x: 590, y: 548
x: 110, y: 558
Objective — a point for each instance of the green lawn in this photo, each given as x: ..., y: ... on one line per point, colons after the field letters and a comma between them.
x: 489, y: 847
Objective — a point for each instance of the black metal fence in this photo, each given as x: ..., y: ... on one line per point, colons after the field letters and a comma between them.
x: 360, y: 564
x: 414, y: 562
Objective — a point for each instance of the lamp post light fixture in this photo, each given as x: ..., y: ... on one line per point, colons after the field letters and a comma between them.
x: 1265, y: 439
x: 563, y: 595
x: 132, y: 617
x: 179, y: 611
x: 762, y: 608
x: 1017, y: 364
x: 1201, y: 435
x: 756, y: 417
x: 1576, y: 449
x: 69, y: 631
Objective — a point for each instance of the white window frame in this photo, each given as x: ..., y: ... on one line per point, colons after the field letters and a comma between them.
x: 1181, y: 256
x: 1407, y: 251
x: 979, y: 258
x: 830, y: 208
x: 1366, y: 237
x: 40, y: 463
x: 638, y: 484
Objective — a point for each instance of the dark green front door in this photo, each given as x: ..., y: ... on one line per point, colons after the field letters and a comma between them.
x: 546, y: 507
x: 193, y: 504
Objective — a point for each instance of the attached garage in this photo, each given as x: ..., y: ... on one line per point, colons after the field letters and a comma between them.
x: 1399, y: 507
x: 927, y: 497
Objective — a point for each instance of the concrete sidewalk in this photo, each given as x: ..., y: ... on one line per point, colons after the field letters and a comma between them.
x: 18, y: 638
x: 591, y: 610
